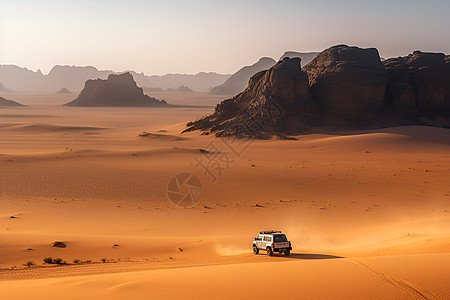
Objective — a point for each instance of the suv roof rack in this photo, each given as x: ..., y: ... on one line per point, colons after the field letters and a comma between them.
x: 269, y: 232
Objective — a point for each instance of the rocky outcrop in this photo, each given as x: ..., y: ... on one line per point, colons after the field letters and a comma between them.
x: 348, y: 84
x: 275, y: 101
x: 419, y: 85
x: 306, y: 57
x: 343, y: 87
x: 5, y: 102
x: 239, y: 80
x: 118, y: 90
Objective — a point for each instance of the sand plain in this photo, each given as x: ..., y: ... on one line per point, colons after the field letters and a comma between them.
x: 368, y: 212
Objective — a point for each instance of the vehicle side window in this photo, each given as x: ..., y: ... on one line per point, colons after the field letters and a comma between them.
x: 258, y: 238
x: 267, y: 239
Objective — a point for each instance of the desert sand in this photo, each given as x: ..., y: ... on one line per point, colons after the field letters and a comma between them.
x: 368, y: 212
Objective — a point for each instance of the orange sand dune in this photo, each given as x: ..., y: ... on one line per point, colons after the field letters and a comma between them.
x: 368, y: 213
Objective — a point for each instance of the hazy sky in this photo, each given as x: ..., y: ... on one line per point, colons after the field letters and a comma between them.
x: 174, y: 36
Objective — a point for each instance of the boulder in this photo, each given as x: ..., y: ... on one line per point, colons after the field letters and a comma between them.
x: 118, y: 90
x: 59, y: 245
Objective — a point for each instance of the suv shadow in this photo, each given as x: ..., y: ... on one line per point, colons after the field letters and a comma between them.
x: 308, y: 256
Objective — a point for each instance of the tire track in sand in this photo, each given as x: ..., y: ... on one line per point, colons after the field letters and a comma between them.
x: 413, y: 290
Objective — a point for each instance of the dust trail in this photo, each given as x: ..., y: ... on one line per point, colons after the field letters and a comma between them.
x: 227, y: 251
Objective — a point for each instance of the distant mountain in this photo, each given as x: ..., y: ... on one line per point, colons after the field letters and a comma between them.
x: 306, y: 57
x: 199, y: 82
x: 181, y: 89
x: 238, y: 82
x: 184, y: 89
x: 3, y: 88
x: 74, y: 77
x: 64, y: 91
x: 17, y: 78
x: 152, y: 89
x: 116, y: 91
x: 5, y: 102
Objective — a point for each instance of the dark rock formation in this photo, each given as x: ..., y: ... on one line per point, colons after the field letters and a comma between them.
x: 64, y: 91
x: 239, y: 80
x: 271, y: 103
x: 419, y: 85
x: 117, y: 90
x: 348, y: 83
x: 343, y: 87
x: 305, y: 57
x: 5, y: 102
x: 59, y: 245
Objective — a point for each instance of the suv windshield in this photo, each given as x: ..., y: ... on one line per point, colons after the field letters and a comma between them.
x: 278, y: 238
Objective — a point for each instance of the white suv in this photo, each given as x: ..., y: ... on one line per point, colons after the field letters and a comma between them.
x: 272, y: 241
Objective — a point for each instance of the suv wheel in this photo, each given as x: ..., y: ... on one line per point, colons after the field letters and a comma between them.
x: 255, y: 250
x: 287, y: 252
x: 269, y: 251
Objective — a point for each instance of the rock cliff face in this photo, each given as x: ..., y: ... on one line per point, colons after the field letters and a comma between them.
x: 117, y: 90
x: 348, y: 83
x: 419, y: 85
x: 239, y: 80
x: 343, y: 87
x: 272, y: 103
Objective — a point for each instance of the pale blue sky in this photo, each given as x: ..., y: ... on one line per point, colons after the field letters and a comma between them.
x: 174, y: 36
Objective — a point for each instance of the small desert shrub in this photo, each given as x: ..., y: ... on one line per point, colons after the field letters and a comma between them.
x: 76, y: 261
x: 57, y: 261
x: 48, y: 260
x: 87, y: 261
x: 103, y: 260
x: 29, y: 264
